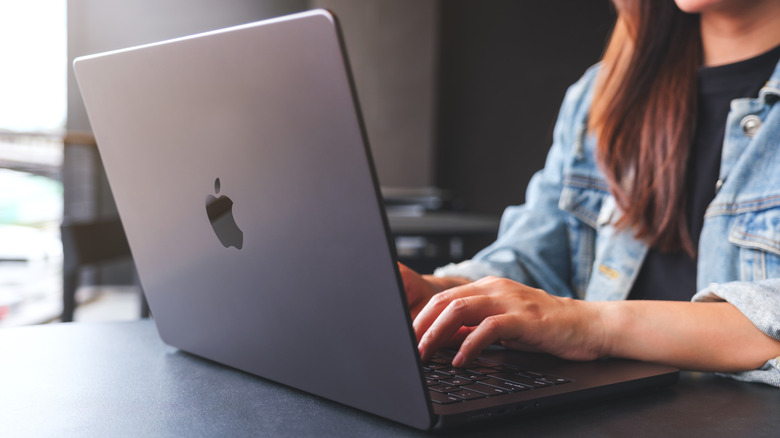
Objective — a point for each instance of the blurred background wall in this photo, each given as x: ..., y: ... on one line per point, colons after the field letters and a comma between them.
x: 460, y: 95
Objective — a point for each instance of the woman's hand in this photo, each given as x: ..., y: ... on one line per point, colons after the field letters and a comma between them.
x: 492, y: 310
x: 695, y: 336
x: 420, y: 288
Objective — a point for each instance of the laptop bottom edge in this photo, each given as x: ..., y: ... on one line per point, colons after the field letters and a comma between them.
x: 528, y: 407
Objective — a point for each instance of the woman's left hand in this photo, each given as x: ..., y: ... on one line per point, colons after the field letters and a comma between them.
x: 492, y: 310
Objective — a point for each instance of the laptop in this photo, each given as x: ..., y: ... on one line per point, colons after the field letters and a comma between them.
x: 242, y: 174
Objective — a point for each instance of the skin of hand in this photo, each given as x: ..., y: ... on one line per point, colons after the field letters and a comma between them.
x: 696, y: 336
x: 478, y: 314
x: 420, y: 288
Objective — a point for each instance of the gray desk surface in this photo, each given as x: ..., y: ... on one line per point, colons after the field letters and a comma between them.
x: 119, y: 379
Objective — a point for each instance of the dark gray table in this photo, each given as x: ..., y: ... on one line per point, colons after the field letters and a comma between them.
x: 119, y: 379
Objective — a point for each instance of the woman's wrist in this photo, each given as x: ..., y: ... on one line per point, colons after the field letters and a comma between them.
x: 597, y: 322
x: 612, y: 324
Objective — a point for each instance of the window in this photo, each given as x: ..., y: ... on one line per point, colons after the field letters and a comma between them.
x: 33, y: 106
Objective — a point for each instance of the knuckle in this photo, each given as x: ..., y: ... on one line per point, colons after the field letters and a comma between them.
x: 459, y: 305
x: 432, y: 333
x: 496, y: 282
x: 490, y: 279
x: 439, y: 299
x: 491, y: 324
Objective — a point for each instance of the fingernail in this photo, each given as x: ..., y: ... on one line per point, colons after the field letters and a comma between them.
x: 457, y: 361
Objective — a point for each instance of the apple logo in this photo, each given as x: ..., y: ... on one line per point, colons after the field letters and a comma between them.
x: 220, y: 213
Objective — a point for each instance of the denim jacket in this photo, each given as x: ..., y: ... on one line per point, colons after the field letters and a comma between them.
x: 563, y: 239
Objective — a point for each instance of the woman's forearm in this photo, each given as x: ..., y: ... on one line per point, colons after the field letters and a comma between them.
x: 695, y: 336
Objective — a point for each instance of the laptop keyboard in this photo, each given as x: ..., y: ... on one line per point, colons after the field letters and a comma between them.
x: 480, y: 379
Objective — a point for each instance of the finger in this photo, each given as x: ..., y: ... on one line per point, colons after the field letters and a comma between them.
x: 467, y: 311
x: 455, y: 340
x: 414, y: 287
x: 440, y: 301
x: 490, y: 330
x: 406, y: 276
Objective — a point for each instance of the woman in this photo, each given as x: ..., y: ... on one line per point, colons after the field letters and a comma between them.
x: 663, y: 180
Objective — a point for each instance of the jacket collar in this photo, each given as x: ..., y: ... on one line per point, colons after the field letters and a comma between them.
x: 770, y: 93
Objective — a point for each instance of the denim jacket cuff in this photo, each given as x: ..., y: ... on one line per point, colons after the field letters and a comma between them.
x: 769, y: 374
x: 467, y: 269
x: 760, y: 302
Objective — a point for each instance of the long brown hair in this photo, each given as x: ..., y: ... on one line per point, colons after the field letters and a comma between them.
x: 643, y: 116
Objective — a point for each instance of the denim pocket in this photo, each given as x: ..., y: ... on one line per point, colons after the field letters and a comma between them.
x: 757, y: 234
x: 583, y: 203
x: 584, y: 206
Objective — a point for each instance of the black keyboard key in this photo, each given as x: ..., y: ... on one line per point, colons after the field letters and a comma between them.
x: 447, y: 389
x: 441, y: 398
x: 486, y: 389
x: 505, y: 384
x: 557, y: 380
x: 484, y: 363
x: 470, y: 395
x: 434, y: 366
x: 457, y: 372
x: 474, y: 376
x: 508, y: 369
x: 482, y: 370
x: 433, y: 375
x: 536, y: 383
x: 456, y: 381
x: 452, y: 371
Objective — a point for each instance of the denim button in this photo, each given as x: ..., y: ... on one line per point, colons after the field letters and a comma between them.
x: 750, y: 125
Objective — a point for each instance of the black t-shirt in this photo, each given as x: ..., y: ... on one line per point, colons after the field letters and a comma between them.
x: 672, y: 276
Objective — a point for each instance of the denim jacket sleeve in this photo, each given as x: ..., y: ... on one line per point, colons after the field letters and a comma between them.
x: 760, y: 302
x: 739, y: 253
x: 532, y: 245
x: 739, y: 250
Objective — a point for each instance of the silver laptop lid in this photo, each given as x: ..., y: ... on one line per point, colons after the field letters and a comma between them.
x: 305, y: 290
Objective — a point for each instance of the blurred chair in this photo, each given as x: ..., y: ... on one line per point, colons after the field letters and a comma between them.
x: 90, y: 244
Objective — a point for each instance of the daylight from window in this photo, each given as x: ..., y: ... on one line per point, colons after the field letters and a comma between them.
x: 33, y: 79
x: 33, y: 102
